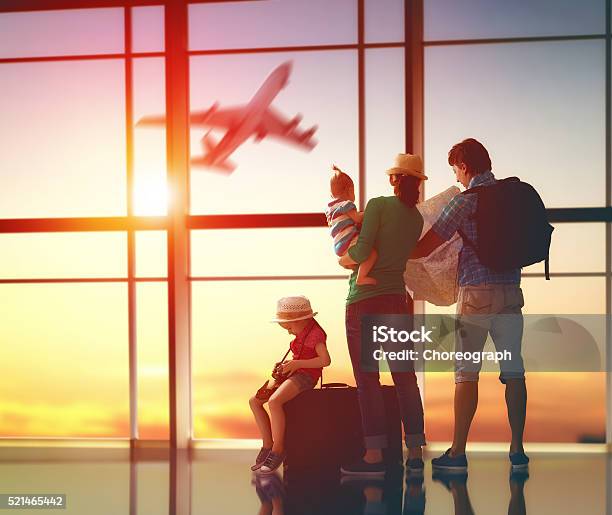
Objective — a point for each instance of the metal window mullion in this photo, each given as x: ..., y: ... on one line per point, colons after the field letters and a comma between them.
x: 509, y: 40
x: 131, y: 236
x: 608, y: 107
x: 361, y: 103
x: 177, y: 156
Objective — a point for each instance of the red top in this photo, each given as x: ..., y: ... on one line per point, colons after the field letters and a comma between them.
x: 304, y: 344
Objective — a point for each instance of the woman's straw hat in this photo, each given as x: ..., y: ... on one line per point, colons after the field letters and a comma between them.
x: 292, y: 308
x: 408, y: 164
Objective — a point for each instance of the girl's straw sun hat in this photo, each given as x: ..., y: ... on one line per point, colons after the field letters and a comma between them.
x: 292, y: 308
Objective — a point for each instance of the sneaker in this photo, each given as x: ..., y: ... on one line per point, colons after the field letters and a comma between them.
x: 447, y: 463
x: 415, y: 467
x: 261, y: 457
x: 272, y: 462
x: 519, y: 460
x: 362, y: 468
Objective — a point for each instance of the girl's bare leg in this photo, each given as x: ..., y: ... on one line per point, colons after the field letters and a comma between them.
x: 285, y: 392
x: 263, y: 421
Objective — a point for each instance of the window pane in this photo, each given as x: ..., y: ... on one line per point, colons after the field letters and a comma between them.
x: 384, y: 21
x: 269, y: 251
x: 63, y: 255
x: 71, y: 32
x: 272, y: 23
x: 537, y: 121
x: 554, y: 399
x: 151, y: 254
x: 148, y: 29
x: 273, y: 176
x: 474, y: 19
x: 578, y: 247
x: 384, y: 115
x: 62, y: 139
x: 234, y: 346
x: 150, y: 177
x: 152, y: 370
x: 66, y: 367
x: 560, y: 295
x: 564, y: 295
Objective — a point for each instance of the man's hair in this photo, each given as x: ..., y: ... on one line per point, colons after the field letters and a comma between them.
x: 471, y: 153
x: 339, y: 183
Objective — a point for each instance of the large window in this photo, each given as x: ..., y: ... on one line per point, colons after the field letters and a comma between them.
x: 87, y: 236
x: 79, y: 287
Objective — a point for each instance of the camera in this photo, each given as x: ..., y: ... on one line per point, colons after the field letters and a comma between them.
x: 277, y: 372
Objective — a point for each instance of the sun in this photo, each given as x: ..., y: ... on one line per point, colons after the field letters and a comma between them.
x: 151, y: 197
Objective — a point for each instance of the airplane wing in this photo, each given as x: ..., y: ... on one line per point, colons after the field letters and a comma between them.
x: 217, y: 118
x: 276, y: 125
x: 214, y: 117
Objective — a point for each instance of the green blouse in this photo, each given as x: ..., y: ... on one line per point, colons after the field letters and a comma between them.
x: 393, y: 229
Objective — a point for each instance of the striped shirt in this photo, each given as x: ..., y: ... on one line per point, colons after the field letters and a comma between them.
x: 343, y: 228
x: 459, y: 214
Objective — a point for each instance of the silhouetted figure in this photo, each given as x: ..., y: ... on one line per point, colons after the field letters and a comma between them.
x: 391, y: 225
x: 489, y: 302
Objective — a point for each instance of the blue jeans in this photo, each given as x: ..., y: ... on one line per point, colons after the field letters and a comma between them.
x: 368, y: 383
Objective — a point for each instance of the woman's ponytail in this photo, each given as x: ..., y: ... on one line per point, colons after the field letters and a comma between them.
x: 407, y: 189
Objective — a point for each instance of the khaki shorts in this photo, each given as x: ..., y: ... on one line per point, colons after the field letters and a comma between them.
x: 493, y: 309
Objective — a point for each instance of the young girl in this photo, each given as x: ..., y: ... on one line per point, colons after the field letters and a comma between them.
x: 344, y: 221
x: 309, y: 353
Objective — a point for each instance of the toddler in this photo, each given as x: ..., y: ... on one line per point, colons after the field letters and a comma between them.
x: 343, y: 219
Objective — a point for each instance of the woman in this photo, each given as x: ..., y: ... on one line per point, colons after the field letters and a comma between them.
x: 393, y: 225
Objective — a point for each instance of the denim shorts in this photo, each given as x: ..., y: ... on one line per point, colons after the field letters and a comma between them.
x: 303, y: 381
x: 493, y: 309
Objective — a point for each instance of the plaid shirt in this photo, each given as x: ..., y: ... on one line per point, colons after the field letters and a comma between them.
x: 459, y: 214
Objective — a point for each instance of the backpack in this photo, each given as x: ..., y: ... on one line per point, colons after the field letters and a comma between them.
x: 511, y: 225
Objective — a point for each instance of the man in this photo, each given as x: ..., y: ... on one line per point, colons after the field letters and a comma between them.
x: 490, y: 296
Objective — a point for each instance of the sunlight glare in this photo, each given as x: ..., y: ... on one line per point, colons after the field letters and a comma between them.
x: 151, y: 198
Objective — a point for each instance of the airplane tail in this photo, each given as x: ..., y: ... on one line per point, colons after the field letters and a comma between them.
x: 307, y: 137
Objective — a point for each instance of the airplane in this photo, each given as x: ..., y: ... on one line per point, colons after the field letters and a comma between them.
x: 257, y: 118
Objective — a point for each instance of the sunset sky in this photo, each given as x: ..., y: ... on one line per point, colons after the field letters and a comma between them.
x: 537, y: 107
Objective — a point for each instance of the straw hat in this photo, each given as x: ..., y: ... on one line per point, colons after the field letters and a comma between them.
x: 408, y: 164
x: 292, y: 308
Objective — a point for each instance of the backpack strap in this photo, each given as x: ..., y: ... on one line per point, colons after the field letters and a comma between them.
x: 547, y: 268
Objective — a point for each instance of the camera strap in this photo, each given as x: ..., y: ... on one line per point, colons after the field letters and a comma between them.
x: 315, y: 323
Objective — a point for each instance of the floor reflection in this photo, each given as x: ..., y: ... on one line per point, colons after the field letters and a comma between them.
x: 220, y: 481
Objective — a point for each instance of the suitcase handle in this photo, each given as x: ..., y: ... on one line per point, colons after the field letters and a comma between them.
x: 334, y: 385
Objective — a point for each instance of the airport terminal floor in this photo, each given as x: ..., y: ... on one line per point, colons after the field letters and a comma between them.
x: 202, y: 481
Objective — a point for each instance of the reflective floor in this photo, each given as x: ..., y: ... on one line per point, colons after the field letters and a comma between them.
x: 202, y: 481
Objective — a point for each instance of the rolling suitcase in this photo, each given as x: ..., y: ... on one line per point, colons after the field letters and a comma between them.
x: 323, y: 427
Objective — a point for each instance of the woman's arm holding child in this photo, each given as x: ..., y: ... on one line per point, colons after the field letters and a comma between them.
x: 322, y: 360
